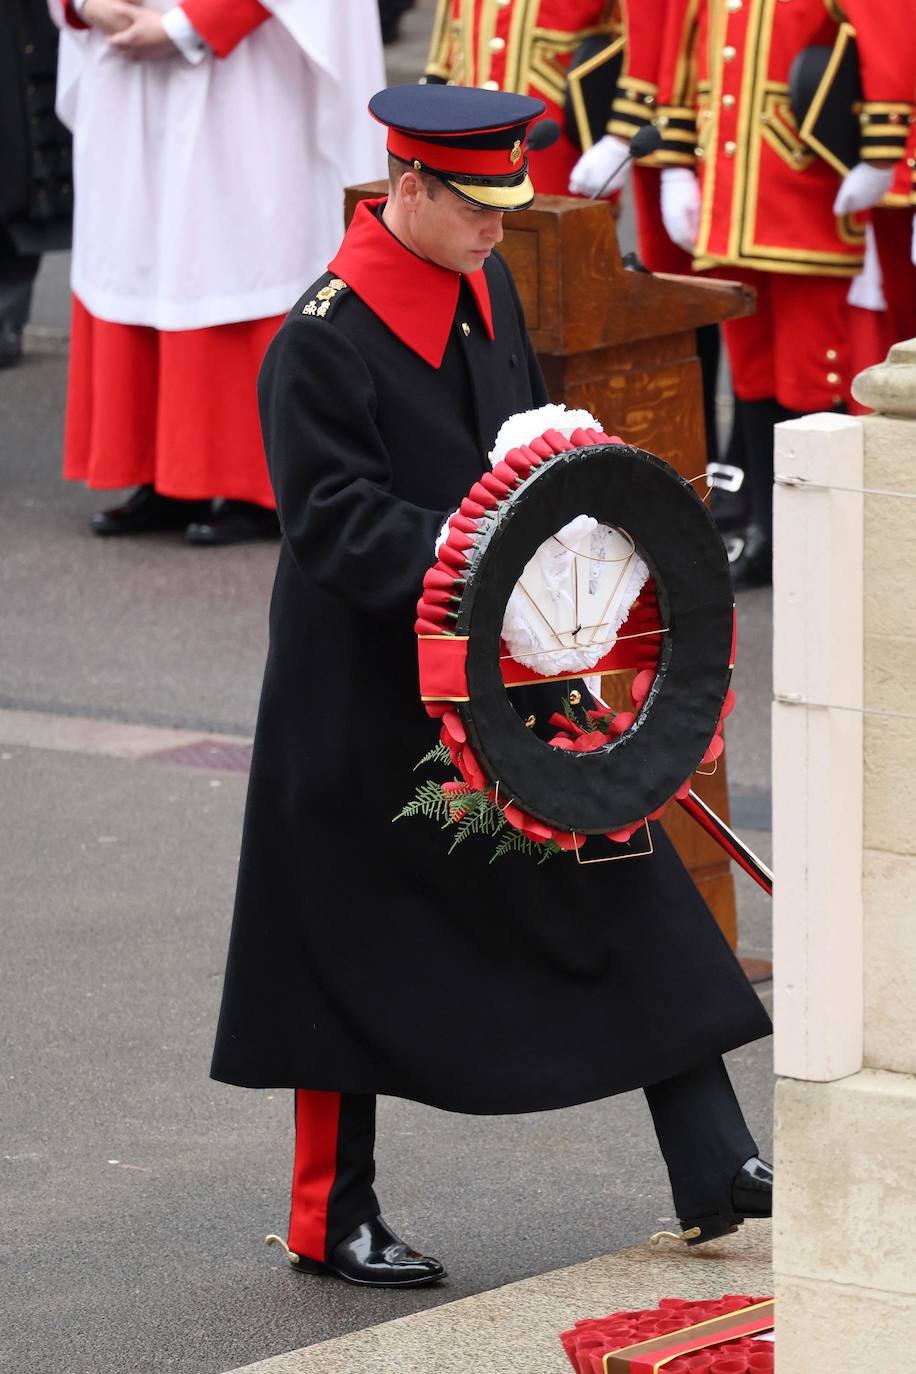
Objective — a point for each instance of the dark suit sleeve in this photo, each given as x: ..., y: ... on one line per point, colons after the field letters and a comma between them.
x: 331, y: 473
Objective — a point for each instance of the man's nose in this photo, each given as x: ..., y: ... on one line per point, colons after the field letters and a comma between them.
x: 493, y: 227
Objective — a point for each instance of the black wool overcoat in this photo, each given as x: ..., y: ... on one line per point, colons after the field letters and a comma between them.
x: 363, y: 958
x: 36, y: 184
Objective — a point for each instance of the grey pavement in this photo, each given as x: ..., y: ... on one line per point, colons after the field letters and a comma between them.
x: 134, y: 1191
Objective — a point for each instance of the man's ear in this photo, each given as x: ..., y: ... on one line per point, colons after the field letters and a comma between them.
x: 410, y: 191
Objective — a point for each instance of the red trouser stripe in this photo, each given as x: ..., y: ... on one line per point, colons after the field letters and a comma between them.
x: 314, y: 1170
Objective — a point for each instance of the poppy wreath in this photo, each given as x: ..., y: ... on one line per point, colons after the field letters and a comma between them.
x: 607, y: 773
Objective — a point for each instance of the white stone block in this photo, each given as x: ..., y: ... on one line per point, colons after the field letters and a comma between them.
x: 817, y: 926
x: 817, y: 748
x: 845, y: 1206
x: 828, y: 1327
x: 817, y: 574
x: 890, y: 784
x: 890, y: 961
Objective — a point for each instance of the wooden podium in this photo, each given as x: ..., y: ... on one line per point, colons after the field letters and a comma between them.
x: 622, y: 345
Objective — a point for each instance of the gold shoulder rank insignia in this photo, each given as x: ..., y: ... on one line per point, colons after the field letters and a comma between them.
x: 321, y: 302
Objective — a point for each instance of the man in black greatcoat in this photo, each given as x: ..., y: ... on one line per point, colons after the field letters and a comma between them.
x: 363, y: 959
x: 36, y: 191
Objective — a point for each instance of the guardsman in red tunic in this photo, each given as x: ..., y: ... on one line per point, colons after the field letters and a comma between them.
x: 524, y: 46
x: 762, y: 208
x: 642, y: 25
x: 896, y: 243
x: 633, y: 108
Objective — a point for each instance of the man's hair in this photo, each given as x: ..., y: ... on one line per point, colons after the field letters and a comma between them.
x: 397, y: 168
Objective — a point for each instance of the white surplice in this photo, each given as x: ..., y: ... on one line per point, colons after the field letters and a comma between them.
x: 213, y: 193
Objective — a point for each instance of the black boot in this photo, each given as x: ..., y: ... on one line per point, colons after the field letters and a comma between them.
x: 753, y: 565
x: 374, y: 1257
x: 147, y: 510
x: 751, y: 1197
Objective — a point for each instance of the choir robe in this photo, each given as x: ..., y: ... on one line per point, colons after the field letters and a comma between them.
x: 207, y: 194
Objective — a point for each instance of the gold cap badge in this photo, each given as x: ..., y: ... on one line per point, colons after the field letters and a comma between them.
x: 515, y: 155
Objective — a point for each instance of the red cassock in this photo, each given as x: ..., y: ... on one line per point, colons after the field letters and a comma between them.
x: 177, y: 408
x: 767, y: 215
x: 524, y: 46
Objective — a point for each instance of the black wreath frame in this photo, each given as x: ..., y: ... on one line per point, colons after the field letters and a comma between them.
x: 598, y: 792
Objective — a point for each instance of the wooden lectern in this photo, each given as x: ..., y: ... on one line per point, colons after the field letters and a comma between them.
x: 622, y: 344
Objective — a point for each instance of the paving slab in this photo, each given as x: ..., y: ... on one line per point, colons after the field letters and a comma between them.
x: 517, y: 1326
x: 135, y: 1193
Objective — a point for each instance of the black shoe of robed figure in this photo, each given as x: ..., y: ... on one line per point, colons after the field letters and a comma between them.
x: 751, y: 1197
x: 375, y: 1257
x: 234, y: 522
x: 148, y: 510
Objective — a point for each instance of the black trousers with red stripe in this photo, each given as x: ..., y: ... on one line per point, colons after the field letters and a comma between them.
x: 700, y: 1127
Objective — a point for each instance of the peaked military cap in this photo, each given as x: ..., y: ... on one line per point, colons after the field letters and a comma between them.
x: 472, y: 140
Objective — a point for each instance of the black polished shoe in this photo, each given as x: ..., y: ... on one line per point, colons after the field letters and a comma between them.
x: 234, y: 522
x: 753, y: 564
x: 751, y: 1197
x: 145, y: 511
x: 374, y: 1257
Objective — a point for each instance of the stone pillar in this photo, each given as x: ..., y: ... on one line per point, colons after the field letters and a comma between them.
x: 844, y: 791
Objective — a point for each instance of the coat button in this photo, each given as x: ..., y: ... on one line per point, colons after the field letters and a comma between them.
x: 728, y: 101
x: 833, y: 378
x: 497, y: 44
x: 831, y: 355
x: 729, y: 54
x: 491, y: 86
x: 733, y: 6
x: 730, y: 148
x: 465, y: 328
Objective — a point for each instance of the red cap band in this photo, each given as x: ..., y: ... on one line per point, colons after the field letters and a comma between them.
x: 483, y: 162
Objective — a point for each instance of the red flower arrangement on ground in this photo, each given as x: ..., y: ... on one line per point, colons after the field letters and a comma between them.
x: 683, y: 1325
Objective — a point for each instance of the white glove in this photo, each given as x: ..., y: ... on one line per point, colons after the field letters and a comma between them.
x: 565, y: 610
x: 595, y: 166
x: 443, y: 534
x: 681, y: 202
x: 862, y: 188
x: 867, y: 289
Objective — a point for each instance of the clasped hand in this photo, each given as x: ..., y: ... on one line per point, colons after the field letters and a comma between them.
x: 135, y: 32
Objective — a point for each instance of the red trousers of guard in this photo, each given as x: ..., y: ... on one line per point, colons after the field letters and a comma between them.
x: 795, y: 347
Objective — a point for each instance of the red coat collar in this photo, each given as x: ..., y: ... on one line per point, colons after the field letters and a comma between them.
x: 413, y: 297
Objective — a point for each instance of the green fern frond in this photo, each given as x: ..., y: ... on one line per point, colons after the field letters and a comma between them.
x: 479, y: 817
x: 517, y: 843
x: 438, y: 754
x: 430, y: 801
